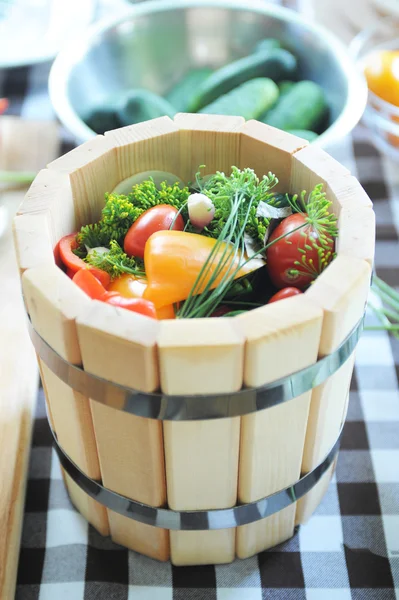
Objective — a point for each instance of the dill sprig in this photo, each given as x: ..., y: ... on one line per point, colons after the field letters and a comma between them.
x: 220, y: 189
x: 319, y: 235
x: 116, y: 262
x: 388, y: 317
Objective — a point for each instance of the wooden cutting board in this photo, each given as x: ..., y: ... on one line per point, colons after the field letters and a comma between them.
x: 23, y: 146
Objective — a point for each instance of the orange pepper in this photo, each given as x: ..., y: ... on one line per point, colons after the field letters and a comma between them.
x: 130, y: 286
x: 174, y: 259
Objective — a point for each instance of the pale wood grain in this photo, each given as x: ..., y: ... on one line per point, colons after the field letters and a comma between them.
x: 146, y: 146
x: 120, y: 346
x: 92, y: 172
x: 27, y: 146
x: 209, y: 140
x: 54, y: 303
x: 265, y: 148
x: 357, y: 233
x: 201, y: 356
x: 311, y: 166
x: 51, y: 194
x: 341, y: 291
x: 32, y: 240
x: 281, y: 338
x: 17, y: 403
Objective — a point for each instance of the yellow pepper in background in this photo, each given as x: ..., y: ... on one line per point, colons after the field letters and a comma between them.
x: 174, y: 259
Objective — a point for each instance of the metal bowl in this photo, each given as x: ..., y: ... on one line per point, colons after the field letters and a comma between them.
x: 154, y: 43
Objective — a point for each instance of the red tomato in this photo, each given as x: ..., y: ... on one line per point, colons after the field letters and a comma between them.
x: 74, y: 263
x: 70, y: 273
x: 157, y: 218
x: 286, y: 292
x: 138, y: 305
x: 285, y: 261
x: 89, y: 284
x: 129, y: 286
x: 221, y: 310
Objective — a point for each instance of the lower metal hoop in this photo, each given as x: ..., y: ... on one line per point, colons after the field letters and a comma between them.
x: 191, y: 520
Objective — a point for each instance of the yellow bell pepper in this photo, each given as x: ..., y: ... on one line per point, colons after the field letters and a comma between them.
x: 174, y: 259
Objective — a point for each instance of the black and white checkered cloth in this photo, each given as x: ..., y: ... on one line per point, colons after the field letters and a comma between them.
x: 350, y: 547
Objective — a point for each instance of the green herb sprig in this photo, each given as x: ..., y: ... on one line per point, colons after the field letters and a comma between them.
x: 116, y: 262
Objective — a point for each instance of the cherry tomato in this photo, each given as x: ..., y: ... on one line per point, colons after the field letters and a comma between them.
x: 285, y: 261
x: 221, y: 310
x: 73, y: 262
x: 138, y: 305
x: 286, y: 292
x: 382, y: 74
x: 89, y: 284
x: 157, y: 218
x: 128, y: 286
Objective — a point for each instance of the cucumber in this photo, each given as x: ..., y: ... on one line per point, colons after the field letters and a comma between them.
x: 304, y: 106
x: 284, y: 87
x: 305, y: 134
x: 267, y: 44
x: 276, y: 64
x: 103, y: 118
x: 181, y: 94
x: 143, y: 105
x: 248, y: 100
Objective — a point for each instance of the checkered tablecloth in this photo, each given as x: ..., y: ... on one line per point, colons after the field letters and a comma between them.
x: 350, y: 547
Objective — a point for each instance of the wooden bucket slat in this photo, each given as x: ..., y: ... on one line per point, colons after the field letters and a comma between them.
x: 281, y: 338
x: 357, y: 233
x: 51, y: 194
x: 201, y: 456
x: 32, y: 240
x: 209, y: 140
x: 92, y: 171
x: 265, y: 148
x: 120, y: 346
x: 53, y: 302
x: 146, y: 146
x: 311, y: 166
x: 341, y: 290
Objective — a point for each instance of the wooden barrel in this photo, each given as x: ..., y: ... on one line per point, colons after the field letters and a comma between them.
x: 207, y: 464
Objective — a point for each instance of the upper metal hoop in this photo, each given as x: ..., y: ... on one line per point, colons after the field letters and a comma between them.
x: 195, y: 407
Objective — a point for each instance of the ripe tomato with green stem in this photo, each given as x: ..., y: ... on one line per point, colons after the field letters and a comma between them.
x: 303, y: 244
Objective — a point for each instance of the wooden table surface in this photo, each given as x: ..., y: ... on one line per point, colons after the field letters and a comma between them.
x: 23, y: 146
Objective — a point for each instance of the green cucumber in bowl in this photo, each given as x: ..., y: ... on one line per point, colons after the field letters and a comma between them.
x: 182, y: 93
x: 304, y: 106
x: 143, y: 105
x: 276, y: 64
x: 305, y: 134
x: 249, y: 100
x: 285, y: 87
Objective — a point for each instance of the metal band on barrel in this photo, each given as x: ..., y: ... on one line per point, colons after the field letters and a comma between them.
x: 195, y: 407
x: 190, y: 520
